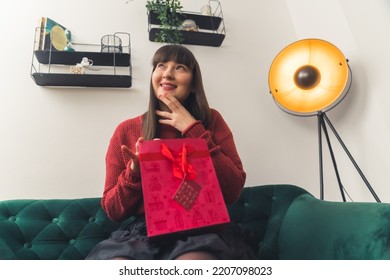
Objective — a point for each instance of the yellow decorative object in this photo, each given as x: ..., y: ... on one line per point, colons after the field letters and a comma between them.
x: 309, y: 76
x: 58, y: 37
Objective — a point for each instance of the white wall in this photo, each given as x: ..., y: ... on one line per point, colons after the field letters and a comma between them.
x: 53, y: 140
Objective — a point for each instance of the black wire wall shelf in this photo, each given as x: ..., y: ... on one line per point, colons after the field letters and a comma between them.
x: 109, y: 69
x: 211, y: 32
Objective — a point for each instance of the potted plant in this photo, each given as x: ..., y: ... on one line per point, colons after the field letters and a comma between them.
x: 167, y: 12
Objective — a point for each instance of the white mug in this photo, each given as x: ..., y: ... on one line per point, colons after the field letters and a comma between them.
x: 86, y: 62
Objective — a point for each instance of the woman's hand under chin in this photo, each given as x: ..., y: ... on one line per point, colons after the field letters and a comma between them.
x: 178, y: 117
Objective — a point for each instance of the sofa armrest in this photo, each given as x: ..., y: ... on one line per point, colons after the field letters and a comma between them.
x: 316, y: 229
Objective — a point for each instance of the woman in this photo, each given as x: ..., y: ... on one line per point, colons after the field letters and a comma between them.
x: 178, y: 108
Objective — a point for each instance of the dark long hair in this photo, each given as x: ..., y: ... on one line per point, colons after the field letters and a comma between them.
x: 196, y: 103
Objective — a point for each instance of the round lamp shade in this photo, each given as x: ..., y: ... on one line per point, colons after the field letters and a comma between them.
x: 309, y: 76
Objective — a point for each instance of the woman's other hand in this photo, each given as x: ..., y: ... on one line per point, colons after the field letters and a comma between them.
x: 133, y: 162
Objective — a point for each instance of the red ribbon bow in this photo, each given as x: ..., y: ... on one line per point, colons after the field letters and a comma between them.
x: 181, y: 168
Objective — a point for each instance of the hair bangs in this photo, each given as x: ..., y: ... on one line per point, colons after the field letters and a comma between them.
x: 175, y: 53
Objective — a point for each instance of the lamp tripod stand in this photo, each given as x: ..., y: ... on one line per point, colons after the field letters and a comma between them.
x: 323, y: 120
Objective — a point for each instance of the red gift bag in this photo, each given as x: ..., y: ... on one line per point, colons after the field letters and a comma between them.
x: 180, y: 187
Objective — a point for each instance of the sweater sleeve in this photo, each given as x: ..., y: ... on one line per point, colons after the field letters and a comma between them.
x: 223, y: 151
x: 122, y: 194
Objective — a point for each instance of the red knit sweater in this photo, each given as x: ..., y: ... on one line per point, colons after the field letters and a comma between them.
x: 122, y: 195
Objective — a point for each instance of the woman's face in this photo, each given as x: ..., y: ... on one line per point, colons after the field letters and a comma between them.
x: 171, y: 78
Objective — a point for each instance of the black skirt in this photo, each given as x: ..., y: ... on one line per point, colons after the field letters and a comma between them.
x: 132, y: 243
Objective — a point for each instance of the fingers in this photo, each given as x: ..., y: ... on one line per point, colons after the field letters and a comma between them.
x: 132, y: 156
x: 127, y: 152
x: 171, y: 102
x: 178, y: 117
x: 137, y: 144
x: 163, y: 114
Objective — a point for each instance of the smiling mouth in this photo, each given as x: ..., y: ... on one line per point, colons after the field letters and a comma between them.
x: 168, y: 86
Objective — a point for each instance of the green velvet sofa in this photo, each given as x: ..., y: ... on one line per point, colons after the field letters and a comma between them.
x: 288, y: 222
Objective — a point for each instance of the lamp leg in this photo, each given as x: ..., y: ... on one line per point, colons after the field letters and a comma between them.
x: 322, y: 115
x: 350, y: 156
x: 320, y: 121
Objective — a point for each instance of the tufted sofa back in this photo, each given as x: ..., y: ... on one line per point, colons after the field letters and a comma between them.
x: 261, y: 210
x: 70, y: 228
x: 51, y: 229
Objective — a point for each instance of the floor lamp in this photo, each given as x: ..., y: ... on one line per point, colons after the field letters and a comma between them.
x: 308, y: 78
